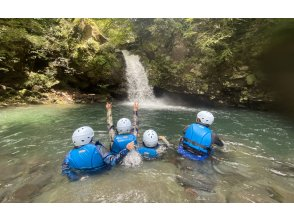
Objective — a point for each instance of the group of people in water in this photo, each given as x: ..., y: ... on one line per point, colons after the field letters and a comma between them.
x: 91, y: 157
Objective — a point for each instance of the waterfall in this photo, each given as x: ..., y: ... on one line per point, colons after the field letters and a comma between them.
x: 137, y: 81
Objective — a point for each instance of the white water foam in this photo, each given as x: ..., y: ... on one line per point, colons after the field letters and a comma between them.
x: 133, y: 159
x: 139, y: 89
x: 159, y: 104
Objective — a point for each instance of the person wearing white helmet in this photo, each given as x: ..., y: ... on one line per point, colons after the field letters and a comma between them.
x: 198, y: 138
x: 125, y: 132
x: 151, y: 148
x: 88, y: 157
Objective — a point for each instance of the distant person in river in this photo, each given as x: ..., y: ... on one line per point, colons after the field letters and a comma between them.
x: 124, y: 132
x: 198, y: 138
x: 87, y: 157
x: 151, y: 148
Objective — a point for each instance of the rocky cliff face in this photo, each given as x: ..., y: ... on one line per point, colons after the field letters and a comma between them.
x: 211, y: 61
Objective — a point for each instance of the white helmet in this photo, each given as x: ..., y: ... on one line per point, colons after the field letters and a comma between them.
x: 124, y: 126
x: 82, y: 136
x: 205, y: 117
x: 150, y: 138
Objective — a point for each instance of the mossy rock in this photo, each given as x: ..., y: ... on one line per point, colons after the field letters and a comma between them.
x: 250, y: 79
x: 25, y: 93
x: 204, y: 87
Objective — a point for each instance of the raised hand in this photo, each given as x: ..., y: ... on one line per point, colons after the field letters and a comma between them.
x: 108, y: 105
x: 161, y: 137
x: 136, y: 106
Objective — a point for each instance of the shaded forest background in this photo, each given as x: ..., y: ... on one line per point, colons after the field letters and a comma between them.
x: 230, y: 62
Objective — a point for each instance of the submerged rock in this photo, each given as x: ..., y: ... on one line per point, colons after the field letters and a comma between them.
x: 191, y: 192
x: 26, y: 192
x: 41, y: 180
x: 2, y: 195
x: 195, y: 183
x: 247, y: 192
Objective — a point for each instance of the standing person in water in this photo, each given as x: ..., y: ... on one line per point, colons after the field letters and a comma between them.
x: 124, y: 132
x: 198, y: 138
x: 87, y: 157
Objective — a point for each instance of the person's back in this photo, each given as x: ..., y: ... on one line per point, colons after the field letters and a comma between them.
x: 120, y: 142
x: 198, y: 138
x: 151, y: 148
x: 87, y: 157
x: 124, y: 133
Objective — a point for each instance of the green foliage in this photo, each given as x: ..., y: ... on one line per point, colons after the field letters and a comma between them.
x: 42, y: 80
x: 186, y: 55
x: 72, y: 52
x: 213, y: 57
x: 118, y: 31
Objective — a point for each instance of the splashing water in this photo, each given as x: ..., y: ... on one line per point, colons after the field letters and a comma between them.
x: 133, y: 159
x: 138, y: 85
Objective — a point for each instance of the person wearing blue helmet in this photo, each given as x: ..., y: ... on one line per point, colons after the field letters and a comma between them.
x: 124, y: 132
x: 87, y: 157
x: 198, y: 138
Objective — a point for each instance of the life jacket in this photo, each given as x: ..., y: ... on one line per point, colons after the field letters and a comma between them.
x: 121, y: 141
x: 190, y: 155
x: 86, y: 157
x: 147, y: 152
x: 198, y: 139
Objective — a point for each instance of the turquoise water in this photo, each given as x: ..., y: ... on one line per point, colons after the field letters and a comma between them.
x: 256, y: 164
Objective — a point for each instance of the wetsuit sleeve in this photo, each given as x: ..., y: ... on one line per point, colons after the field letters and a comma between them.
x: 216, y: 140
x: 110, y: 158
x: 110, y: 126
x: 161, y: 149
x: 135, y: 129
x: 184, y: 131
x: 165, y: 141
x: 66, y: 170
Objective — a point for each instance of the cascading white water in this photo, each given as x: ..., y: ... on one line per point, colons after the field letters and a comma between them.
x: 138, y: 85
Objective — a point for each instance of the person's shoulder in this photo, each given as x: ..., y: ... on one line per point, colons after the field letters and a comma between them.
x: 68, y: 153
x: 89, y: 145
x: 144, y: 149
x: 141, y: 147
x: 189, y: 125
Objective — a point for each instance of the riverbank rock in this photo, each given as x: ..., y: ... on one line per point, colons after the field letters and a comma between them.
x: 53, y: 97
x: 2, y: 89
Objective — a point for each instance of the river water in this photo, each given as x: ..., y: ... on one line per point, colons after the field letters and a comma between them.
x: 256, y: 164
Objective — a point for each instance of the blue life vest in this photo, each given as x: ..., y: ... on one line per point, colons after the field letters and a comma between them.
x: 147, y: 152
x: 198, y: 139
x: 86, y: 157
x: 121, y: 141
